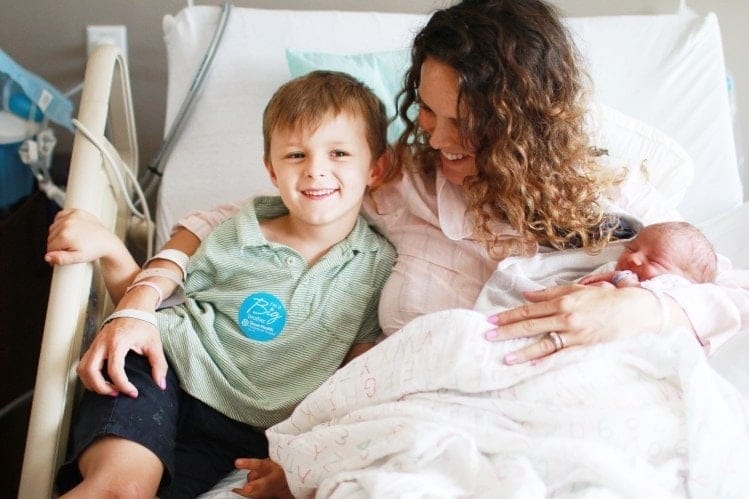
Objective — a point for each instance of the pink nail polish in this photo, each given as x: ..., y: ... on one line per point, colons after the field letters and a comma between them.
x: 510, y: 359
x: 491, y: 334
x: 492, y: 319
x: 162, y: 383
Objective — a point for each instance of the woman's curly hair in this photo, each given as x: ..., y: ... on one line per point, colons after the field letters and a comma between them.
x: 525, y: 95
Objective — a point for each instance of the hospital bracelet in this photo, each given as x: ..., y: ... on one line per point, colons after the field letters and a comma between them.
x: 132, y: 313
x: 151, y: 285
x: 159, y: 272
x: 620, y: 275
x: 177, y: 257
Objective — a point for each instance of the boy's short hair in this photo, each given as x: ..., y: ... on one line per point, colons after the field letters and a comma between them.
x: 302, y: 103
x: 698, y: 259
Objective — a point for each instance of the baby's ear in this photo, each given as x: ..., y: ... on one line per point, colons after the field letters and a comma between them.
x: 380, y: 168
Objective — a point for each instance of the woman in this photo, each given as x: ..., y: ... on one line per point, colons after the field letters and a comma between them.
x: 496, y: 164
x: 500, y: 137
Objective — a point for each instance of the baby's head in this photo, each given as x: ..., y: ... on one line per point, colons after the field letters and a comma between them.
x: 302, y: 104
x: 670, y: 248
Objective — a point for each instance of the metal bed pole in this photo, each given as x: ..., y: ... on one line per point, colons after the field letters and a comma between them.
x: 106, y: 104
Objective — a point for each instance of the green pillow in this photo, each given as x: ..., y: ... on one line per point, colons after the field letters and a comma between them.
x: 381, y: 71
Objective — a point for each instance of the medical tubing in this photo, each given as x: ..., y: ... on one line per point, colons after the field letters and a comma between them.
x: 104, y: 149
x: 110, y: 159
x: 197, y: 83
x: 15, y: 403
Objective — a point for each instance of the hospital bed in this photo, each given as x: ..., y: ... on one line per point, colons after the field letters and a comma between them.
x: 661, y: 101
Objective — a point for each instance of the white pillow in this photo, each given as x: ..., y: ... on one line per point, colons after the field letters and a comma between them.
x: 218, y: 156
x: 630, y: 143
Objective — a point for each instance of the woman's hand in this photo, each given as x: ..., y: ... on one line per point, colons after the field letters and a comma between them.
x: 265, y: 479
x: 112, y: 344
x: 580, y: 315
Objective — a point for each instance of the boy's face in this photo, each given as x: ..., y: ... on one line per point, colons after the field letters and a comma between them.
x: 651, y: 254
x: 322, y: 174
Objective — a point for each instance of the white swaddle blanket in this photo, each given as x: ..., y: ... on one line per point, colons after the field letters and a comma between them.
x: 434, y: 412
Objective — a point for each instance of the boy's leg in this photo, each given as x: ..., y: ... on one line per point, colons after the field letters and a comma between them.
x: 109, y: 465
x: 208, y: 442
x: 123, y: 444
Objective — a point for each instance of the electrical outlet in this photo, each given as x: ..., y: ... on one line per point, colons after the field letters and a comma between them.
x: 105, y: 34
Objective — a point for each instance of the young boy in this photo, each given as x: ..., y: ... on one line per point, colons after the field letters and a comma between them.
x: 672, y: 252
x: 277, y: 298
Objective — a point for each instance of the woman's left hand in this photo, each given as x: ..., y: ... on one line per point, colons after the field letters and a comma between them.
x: 265, y: 479
x: 579, y: 315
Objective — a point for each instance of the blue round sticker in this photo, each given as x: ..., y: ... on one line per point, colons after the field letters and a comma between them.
x: 262, y: 316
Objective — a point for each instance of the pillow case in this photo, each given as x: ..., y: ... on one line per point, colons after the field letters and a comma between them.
x: 382, y: 72
x: 630, y: 143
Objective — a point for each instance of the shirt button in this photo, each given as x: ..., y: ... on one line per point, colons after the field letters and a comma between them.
x: 289, y: 261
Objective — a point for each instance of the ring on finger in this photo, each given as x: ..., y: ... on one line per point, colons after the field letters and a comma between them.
x: 557, y: 339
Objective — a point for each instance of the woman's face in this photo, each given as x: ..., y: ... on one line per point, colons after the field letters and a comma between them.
x: 438, y: 104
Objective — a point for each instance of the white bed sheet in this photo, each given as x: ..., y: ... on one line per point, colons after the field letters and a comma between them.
x: 659, y: 423
x: 730, y: 235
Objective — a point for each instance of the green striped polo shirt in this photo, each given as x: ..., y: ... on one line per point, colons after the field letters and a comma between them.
x: 260, y: 329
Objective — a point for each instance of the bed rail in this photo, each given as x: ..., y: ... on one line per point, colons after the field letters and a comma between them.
x: 105, y: 107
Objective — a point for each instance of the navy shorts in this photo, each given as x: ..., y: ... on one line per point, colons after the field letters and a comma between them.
x: 196, y: 444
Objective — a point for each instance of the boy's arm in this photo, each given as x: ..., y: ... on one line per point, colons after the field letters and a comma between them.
x: 131, y: 333
x: 202, y: 223
x: 128, y: 333
x: 77, y: 236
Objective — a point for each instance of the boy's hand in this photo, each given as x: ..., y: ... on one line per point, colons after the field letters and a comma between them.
x: 77, y: 236
x: 265, y: 479
x: 112, y: 344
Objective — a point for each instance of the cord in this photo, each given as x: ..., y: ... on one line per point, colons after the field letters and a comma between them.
x: 153, y: 170
x: 115, y: 164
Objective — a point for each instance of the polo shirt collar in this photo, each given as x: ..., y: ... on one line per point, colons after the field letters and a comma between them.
x: 259, y: 208
x: 360, y: 239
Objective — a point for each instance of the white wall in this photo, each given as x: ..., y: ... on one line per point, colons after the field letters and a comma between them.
x: 48, y: 38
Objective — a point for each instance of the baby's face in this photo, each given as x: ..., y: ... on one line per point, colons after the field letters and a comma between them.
x: 649, y: 255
